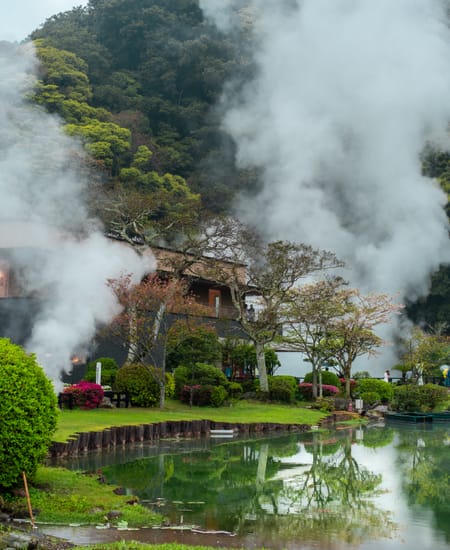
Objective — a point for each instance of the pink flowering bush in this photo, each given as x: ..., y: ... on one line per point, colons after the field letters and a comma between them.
x: 84, y: 395
x: 305, y: 390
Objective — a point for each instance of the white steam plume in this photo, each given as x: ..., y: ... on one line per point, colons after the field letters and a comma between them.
x: 42, y: 192
x: 347, y: 94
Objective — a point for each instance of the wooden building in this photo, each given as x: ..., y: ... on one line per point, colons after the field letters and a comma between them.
x: 23, y: 244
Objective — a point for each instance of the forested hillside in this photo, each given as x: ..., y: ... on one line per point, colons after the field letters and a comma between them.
x: 140, y: 84
x: 145, y: 77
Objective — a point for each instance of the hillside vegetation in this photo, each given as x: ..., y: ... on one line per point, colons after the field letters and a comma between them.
x: 139, y: 83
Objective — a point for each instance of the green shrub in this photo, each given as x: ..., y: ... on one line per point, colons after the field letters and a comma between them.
x: 250, y: 385
x: 410, y: 397
x: 27, y: 411
x: 244, y: 357
x: 235, y: 390
x: 218, y: 396
x: 203, y: 396
x: 198, y: 374
x: 328, y: 378
x: 190, y: 394
x: 282, y: 388
x: 370, y: 397
x: 384, y: 389
x: 109, y: 371
x: 324, y: 404
x: 141, y: 384
x: 188, y: 345
x: 361, y: 374
x: 170, y: 385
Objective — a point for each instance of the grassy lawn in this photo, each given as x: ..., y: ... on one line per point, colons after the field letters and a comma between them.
x: 71, y: 422
x: 62, y: 496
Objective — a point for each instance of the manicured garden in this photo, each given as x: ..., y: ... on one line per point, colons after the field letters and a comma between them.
x: 76, y: 420
x: 61, y: 496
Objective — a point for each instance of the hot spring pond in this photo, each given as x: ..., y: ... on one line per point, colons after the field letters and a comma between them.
x: 362, y: 488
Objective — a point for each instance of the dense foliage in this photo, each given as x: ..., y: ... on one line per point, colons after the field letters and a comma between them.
x: 244, y: 356
x: 282, y: 388
x: 328, y: 377
x: 411, y: 397
x: 141, y: 384
x: 158, y: 67
x: 205, y: 395
x: 139, y: 83
x: 190, y: 344
x: 371, y: 390
x: 200, y: 384
x: 27, y: 412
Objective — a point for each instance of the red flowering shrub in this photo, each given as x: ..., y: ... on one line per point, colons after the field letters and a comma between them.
x: 85, y: 395
x: 305, y: 390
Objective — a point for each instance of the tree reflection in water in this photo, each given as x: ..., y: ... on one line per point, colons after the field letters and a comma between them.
x: 280, y: 488
x: 424, y: 463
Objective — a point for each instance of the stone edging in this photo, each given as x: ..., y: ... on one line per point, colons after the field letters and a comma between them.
x: 119, y: 436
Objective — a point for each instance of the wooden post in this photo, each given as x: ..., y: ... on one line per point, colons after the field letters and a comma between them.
x: 30, y: 510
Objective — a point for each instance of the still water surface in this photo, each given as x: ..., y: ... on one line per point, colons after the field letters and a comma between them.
x: 362, y: 488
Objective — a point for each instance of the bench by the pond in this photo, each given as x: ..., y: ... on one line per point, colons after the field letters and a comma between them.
x: 118, y: 399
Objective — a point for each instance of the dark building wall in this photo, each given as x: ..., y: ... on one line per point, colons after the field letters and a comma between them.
x: 110, y: 347
x: 16, y: 318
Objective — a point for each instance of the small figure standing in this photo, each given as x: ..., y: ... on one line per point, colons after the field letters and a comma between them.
x: 387, y: 376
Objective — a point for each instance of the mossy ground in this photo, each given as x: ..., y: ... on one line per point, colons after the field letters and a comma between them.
x: 60, y: 496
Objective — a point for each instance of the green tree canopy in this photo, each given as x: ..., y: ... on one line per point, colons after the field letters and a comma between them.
x: 163, y: 60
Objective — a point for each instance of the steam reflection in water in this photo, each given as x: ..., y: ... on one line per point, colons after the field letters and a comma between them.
x: 355, y: 487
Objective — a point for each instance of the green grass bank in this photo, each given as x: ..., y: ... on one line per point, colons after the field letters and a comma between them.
x: 75, y: 421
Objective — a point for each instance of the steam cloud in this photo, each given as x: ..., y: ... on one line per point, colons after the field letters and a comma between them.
x: 347, y: 94
x: 42, y: 205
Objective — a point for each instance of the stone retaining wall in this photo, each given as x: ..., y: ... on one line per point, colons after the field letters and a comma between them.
x: 115, y: 436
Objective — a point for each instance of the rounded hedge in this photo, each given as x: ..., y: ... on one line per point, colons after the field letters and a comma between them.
x: 282, y: 388
x: 370, y: 397
x: 328, y: 378
x: 203, y: 396
x: 140, y: 383
x: 199, y: 374
x: 411, y: 397
x: 27, y: 411
x: 383, y: 389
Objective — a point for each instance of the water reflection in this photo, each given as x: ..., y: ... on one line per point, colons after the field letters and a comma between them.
x: 346, y: 488
x: 424, y: 464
